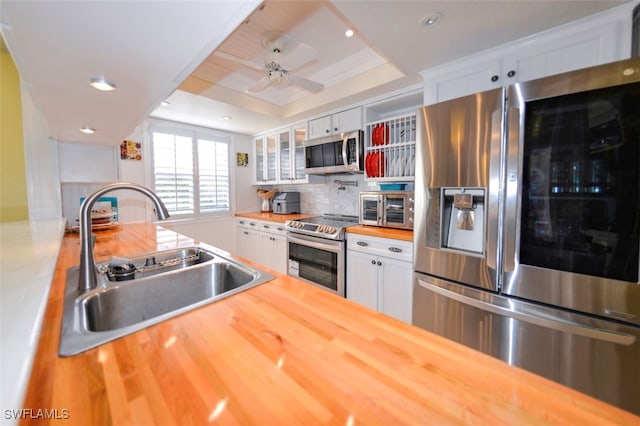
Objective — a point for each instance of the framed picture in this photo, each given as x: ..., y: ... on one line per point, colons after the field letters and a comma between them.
x: 242, y: 159
x: 130, y: 150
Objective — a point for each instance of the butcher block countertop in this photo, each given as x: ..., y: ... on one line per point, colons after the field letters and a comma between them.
x: 377, y: 231
x: 283, y: 353
x: 374, y: 231
x: 281, y: 218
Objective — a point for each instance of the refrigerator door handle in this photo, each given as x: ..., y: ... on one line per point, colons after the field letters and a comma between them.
x: 512, y: 180
x: 493, y: 214
x: 533, y: 315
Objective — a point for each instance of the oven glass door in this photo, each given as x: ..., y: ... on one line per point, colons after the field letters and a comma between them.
x: 395, y: 210
x: 370, y: 209
x: 317, y: 262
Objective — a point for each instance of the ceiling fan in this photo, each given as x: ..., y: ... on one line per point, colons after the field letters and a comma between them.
x: 279, y: 66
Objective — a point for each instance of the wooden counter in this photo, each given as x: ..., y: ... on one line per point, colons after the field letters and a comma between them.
x: 281, y: 218
x: 377, y: 231
x: 285, y: 352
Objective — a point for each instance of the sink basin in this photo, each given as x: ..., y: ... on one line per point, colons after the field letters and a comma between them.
x: 157, y: 286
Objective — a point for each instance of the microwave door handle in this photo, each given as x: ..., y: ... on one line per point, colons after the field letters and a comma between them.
x: 345, y: 142
x: 382, y: 211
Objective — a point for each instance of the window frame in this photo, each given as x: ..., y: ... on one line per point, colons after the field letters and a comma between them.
x: 195, y: 133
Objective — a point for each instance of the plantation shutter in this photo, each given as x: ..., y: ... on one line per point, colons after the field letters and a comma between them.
x: 174, y: 172
x: 191, y: 171
x: 213, y: 173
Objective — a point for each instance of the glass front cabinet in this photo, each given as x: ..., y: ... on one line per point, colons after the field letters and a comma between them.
x: 280, y: 156
x: 266, y: 158
x: 292, y: 161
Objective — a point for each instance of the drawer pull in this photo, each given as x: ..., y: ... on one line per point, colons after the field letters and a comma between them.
x: 266, y: 226
x: 241, y: 222
x: 362, y: 244
x: 395, y: 250
x: 252, y: 223
x: 280, y: 228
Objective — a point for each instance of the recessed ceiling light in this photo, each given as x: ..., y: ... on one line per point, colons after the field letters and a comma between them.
x: 431, y: 20
x: 102, y: 84
x: 349, y: 33
x: 226, y: 117
x: 88, y: 130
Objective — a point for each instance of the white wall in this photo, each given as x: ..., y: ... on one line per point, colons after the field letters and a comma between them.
x: 41, y: 163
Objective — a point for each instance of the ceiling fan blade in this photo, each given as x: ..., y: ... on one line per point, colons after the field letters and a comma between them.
x: 259, y: 85
x: 241, y: 61
x: 307, y: 84
x: 301, y: 55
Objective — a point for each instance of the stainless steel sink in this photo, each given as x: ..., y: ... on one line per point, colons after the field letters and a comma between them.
x: 134, y: 293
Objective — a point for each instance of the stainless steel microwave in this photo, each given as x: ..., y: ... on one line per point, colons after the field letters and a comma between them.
x: 341, y: 153
x: 391, y: 209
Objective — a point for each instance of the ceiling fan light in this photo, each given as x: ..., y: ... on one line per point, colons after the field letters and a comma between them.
x: 276, y: 76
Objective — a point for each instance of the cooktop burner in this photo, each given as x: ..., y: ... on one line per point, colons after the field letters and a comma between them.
x: 326, y: 226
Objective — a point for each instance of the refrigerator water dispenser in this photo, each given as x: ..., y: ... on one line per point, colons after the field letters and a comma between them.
x: 463, y: 219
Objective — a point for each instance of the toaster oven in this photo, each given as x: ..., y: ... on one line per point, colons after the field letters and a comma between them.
x: 391, y: 209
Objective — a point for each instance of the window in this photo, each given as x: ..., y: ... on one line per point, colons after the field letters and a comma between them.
x: 191, y: 171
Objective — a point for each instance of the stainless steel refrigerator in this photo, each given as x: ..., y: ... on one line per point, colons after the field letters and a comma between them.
x: 527, y: 227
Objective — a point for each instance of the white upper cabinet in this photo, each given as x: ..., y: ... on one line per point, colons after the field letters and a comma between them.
x: 266, y: 155
x: 279, y: 156
x: 337, y: 123
x: 593, y: 41
x: 291, y: 154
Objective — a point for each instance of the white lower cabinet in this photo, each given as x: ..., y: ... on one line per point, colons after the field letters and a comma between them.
x: 379, y: 274
x: 263, y: 242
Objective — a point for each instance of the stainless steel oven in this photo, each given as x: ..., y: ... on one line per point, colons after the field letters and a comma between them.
x: 316, y: 250
x: 318, y: 261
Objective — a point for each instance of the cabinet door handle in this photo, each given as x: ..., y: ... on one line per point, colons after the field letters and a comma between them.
x: 246, y: 233
x: 511, y: 73
x: 379, y: 263
x: 373, y: 262
x: 335, y: 129
x: 327, y: 131
x: 362, y: 244
x: 395, y: 250
x: 494, y: 78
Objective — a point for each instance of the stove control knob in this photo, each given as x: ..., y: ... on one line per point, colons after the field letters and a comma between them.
x: 329, y: 229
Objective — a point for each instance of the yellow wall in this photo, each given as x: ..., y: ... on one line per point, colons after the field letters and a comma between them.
x: 13, y: 181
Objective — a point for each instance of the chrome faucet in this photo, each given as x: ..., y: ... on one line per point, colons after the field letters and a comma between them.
x: 88, y: 279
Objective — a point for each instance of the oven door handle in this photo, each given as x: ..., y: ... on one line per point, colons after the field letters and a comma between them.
x: 332, y: 246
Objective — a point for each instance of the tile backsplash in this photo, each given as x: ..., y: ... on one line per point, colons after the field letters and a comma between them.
x: 325, y: 197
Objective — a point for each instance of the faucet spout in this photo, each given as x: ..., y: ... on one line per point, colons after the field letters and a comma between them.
x: 88, y: 278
